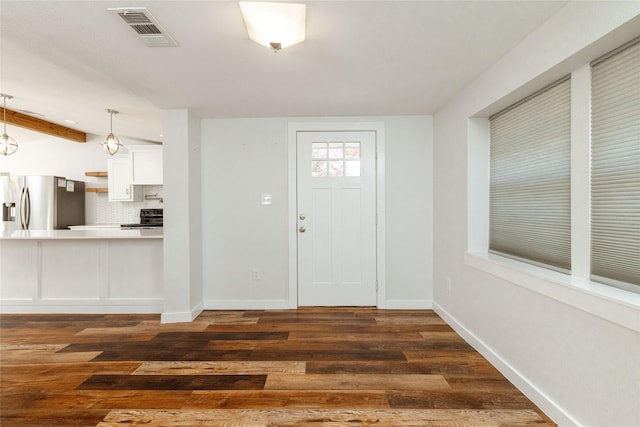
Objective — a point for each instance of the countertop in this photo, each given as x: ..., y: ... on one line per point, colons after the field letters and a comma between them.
x: 95, y: 227
x: 96, y: 234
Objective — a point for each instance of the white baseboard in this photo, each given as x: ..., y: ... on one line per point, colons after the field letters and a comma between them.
x: 246, y: 304
x: 552, y: 409
x: 81, y: 307
x: 407, y: 304
x: 284, y: 304
x: 182, y: 316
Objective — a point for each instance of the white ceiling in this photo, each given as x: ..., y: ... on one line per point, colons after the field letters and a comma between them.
x: 73, y: 59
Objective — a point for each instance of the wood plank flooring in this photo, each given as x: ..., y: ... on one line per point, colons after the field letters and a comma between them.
x: 316, y: 366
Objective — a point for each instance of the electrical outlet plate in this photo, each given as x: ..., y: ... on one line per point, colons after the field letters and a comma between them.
x: 265, y: 199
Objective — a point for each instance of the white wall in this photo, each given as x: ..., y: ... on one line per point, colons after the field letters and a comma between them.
x: 48, y: 155
x: 409, y: 255
x: 182, y: 236
x: 581, y: 368
x: 195, y: 211
x: 244, y: 158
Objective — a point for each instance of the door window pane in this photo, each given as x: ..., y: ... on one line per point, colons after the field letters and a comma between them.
x: 336, y: 150
x: 319, y: 150
x: 336, y: 168
x: 335, y: 159
x: 352, y: 168
x: 318, y: 168
x: 352, y: 150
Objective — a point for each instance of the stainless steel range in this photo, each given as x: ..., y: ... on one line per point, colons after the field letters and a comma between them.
x: 149, y: 218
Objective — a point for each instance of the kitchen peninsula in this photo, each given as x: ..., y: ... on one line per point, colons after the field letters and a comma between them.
x: 81, y: 271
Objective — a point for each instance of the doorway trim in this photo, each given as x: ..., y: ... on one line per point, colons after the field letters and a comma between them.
x: 378, y: 128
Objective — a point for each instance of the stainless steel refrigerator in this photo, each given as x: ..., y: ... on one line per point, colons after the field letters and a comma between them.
x: 40, y: 202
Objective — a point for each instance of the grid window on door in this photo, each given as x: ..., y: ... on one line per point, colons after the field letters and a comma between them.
x: 335, y: 159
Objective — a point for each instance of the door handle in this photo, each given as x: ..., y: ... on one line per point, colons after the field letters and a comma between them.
x: 21, y: 213
x: 27, y: 209
x: 302, y: 229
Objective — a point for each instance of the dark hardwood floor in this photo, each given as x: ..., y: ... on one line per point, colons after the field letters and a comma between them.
x: 333, y: 367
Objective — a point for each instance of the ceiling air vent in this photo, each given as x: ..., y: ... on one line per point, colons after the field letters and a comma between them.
x: 145, y: 25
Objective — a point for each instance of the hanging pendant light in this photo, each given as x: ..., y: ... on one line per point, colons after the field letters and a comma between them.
x: 111, y: 144
x: 8, y: 145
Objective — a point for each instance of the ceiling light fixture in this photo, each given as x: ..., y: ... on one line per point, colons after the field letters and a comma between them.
x: 111, y: 144
x: 8, y: 145
x: 274, y: 25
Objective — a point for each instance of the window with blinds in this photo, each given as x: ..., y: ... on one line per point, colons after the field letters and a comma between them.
x: 615, y: 167
x: 530, y: 170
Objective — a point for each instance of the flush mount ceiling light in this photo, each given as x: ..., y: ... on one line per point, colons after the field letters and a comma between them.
x: 8, y: 145
x: 274, y: 25
x: 111, y: 144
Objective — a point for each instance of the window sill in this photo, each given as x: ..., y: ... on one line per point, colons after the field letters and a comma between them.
x: 615, y: 305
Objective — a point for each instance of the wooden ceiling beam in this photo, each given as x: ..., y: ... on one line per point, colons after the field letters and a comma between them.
x: 33, y: 123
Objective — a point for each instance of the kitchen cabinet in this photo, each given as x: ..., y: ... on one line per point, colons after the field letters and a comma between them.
x: 146, y: 166
x: 126, y: 173
x: 120, y: 180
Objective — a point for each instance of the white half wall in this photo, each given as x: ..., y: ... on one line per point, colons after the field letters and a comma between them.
x: 109, y: 275
x: 579, y: 367
x: 244, y: 158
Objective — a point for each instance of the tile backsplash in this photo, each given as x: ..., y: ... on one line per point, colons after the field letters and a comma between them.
x: 99, y: 210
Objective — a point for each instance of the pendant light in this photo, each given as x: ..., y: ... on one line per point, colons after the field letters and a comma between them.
x: 111, y: 144
x: 8, y: 145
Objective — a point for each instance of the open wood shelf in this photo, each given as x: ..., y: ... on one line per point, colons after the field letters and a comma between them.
x: 96, y: 190
x: 100, y: 174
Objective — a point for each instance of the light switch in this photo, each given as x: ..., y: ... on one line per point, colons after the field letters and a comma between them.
x: 265, y: 199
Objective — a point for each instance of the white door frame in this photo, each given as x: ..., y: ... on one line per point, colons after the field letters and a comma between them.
x: 378, y: 128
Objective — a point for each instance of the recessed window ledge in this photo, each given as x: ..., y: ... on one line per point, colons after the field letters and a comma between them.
x: 612, y: 304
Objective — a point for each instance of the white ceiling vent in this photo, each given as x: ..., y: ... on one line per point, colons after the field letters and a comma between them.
x: 145, y: 25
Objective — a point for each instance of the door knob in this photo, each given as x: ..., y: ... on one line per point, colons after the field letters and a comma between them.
x: 302, y: 229
x: 302, y: 217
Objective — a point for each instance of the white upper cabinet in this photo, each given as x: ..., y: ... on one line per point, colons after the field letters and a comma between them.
x: 119, y: 179
x: 146, y: 166
x: 127, y: 172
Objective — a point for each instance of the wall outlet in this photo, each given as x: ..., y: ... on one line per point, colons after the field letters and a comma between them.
x: 256, y: 274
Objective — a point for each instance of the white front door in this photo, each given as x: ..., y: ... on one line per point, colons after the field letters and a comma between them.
x: 336, y: 218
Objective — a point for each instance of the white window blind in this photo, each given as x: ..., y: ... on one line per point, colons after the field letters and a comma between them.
x: 530, y: 169
x: 615, y: 168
